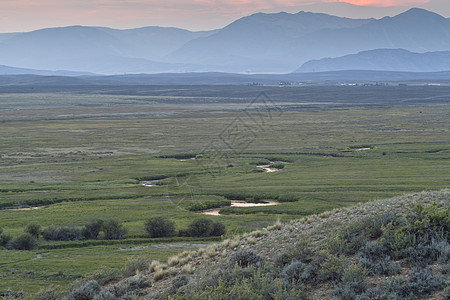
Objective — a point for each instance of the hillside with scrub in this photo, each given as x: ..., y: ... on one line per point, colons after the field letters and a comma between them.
x: 396, y: 248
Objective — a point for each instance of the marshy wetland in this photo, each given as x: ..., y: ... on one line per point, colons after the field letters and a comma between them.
x: 78, y: 154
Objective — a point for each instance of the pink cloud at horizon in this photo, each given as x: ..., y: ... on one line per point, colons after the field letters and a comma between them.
x: 384, y: 3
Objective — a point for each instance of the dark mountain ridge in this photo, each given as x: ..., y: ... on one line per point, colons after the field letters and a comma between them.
x: 382, y: 60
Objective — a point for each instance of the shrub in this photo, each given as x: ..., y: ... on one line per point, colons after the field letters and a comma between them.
x: 294, y: 272
x: 245, y: 258
x: 430, y: 219
x: 446, y: 269
x: 61, y: 233
x: 352, y: 283
x: 247, y: 283
x: 159, y: 227
x: 373, y: 225
x: 332, y: 268
x: 200, y: 227
x: 86, y: 291
x: 113, y: 230
x: 373, y: 257
x: 302, y: 251
x: 23, y: 242
x: 105, y: 295
x: 91, y: 230
x: 371, y: 294
x: 420, y: 255
x: 103, y: 276
x: 348, y: 240
x: 34, y: 229
x: 218, y: 229
x: 178, y: 282
x: 4, y: 239
x: 277, y: 165
x: 282, y: 260
x: 136, y: 264
x: 422, y: 282
x: 205, y: 227
x: 48, y: 293
x: 135, y: 283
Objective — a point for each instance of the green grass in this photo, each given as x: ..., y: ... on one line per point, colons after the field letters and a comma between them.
x: 84, y: 168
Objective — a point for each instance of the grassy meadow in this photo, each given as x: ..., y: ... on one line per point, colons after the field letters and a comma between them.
x: 76, y: 157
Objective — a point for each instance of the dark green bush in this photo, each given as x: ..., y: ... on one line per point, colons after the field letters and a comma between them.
x: 277, y: 165
x: 4, y: 239
x: 218, y: 229
x: 159, y: 227
x: 34, y: 229
x: 245, y: 258
x: 113, y: 230
x: 200, y: 227
x: 61, y: 233
x: 205, y: 227
x: 430, y: 219
x: 23, y: 242
x: 204, y: 205
x: 91, y: 230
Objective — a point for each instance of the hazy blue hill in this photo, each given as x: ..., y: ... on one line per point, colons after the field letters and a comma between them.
x: 153, y: 42
x: 95, y: 49
x: 257, y: 42
x: 382, y: 60
x: 6, y: 70
x: 273, y: 42
x: 415, y: 30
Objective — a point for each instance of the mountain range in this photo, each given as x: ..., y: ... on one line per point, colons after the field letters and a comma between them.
x: 259, y: 43
x: 382, y: 60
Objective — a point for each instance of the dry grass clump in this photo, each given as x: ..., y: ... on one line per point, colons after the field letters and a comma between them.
x: 211, y: 250
x: 155, y: 266
x: 277, y: 226
x: 188, y: 269
x: 173, y: 261
x: 234, y: 242
x: 251, y: 240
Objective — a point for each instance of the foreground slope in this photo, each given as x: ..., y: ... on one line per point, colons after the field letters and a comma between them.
x: 389, y: 249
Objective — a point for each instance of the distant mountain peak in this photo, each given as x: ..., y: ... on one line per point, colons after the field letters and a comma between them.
x: 419, y: 13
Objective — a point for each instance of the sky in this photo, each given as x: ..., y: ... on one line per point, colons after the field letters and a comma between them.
x: 27, y: 15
